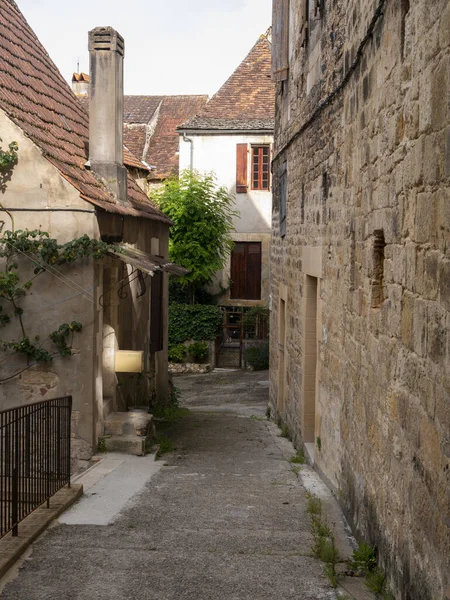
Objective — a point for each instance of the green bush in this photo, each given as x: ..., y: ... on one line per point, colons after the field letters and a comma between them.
x: 199, y: 351
x: 193, y: 322
x: 258, y: 357
x: 177, y: 352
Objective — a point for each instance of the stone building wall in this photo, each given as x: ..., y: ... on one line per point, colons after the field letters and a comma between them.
x: 360, y: 283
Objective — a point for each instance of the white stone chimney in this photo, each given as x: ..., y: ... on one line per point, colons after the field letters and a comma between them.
x: 106, y: 51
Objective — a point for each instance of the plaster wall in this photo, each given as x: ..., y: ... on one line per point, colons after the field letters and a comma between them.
x: 54, y: 298
x: 376, y: 159
x: 218, y: 153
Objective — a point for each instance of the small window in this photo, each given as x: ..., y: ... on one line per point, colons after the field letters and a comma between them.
x: 378, y: 257
x: 260, y: 168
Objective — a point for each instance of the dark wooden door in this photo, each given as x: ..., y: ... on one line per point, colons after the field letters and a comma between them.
x: 246, y: 271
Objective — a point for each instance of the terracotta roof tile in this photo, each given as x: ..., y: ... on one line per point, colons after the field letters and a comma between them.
x: 159, y: 117
x: 246, y: 100
x: 34, y: 95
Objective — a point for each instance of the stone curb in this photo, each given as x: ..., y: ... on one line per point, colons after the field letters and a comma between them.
x: 11, y: 548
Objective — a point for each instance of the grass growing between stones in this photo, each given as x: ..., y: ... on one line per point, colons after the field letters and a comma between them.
x: 299, y: 458
x: 165, y: 445
x: 364, y: 564
x: 324, y: 543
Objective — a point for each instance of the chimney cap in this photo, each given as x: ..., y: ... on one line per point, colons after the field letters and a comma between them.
x: 106, y: 39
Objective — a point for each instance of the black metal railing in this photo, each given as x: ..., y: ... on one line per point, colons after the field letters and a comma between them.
x: 34, y: 458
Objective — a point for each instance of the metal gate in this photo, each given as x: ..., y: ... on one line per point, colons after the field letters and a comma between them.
x: 229, y: 340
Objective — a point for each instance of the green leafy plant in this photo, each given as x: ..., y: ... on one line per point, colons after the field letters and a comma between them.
x: 324, y: 543
x: 193, y: 322
x: 319, y: 443
x: 200, y: 239
x: 9, y: 158
x: 285, y: 433
x: 375, y: 581
x: 268, y: 413
x: 165, y: 445
x: 363, y: 560
x: 199, y: 351
x: 258, y: 356
x: 177, y: 353
x: 44, y: 252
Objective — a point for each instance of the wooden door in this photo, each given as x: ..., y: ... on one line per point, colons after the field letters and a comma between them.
x: 246, y: 271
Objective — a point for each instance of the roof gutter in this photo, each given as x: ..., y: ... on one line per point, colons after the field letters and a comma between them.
x: 227, y: 132
x: 191, y: 157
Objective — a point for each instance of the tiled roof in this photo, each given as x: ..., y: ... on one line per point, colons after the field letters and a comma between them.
x: 246, y: 101
x: 34, y: 95
x: 157, y: 118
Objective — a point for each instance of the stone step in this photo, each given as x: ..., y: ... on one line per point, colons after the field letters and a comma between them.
x: 134, y: 422
x: 127, y: 444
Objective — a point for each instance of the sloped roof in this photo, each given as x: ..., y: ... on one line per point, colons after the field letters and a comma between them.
x: 34, y: 95
x: 151, y: 128
x: 246, y: 101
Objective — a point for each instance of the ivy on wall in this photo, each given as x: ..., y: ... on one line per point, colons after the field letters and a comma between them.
x: 193, y: 322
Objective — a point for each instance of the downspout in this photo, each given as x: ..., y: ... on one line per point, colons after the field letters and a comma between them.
x: 191, y: 142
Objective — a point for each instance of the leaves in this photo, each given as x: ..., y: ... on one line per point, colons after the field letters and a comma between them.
x: 8, y: 158
x: 193, y: 322
x: 203, y: 215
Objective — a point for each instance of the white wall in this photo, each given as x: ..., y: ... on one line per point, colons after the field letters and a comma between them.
x: 218, y: 153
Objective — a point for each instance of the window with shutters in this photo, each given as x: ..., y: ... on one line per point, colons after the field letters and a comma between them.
x: 260, y: 168
x: 246, y: 271
x: 156, y: 316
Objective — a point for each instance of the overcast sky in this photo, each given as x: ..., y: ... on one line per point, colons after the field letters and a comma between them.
x: 171, y: 46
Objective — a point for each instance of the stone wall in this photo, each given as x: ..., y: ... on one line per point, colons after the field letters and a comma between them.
x: 360, y: 284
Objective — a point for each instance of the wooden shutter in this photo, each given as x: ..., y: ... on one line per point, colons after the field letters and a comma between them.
x: 241, y: 168
x: 246, y: 271
x: 156, y: 316
x: 253, y: 279
x: 280, y: 40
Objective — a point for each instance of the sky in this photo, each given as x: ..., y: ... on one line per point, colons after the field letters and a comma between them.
x: 171, y: 46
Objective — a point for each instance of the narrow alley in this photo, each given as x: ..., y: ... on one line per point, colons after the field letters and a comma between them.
x: 224, y: 517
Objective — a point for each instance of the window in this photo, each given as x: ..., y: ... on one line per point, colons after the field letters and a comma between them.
x: 260, y: 167
x: 246, y: 271
x: 379, y: 246
x: 156, y: 316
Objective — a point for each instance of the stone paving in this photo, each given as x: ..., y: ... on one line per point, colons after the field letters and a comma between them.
x: 224, y: 518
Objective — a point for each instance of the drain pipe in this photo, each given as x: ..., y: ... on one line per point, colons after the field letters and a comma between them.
x: 191, y: 142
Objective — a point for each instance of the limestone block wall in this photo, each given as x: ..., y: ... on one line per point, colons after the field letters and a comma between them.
x: 368, y: 228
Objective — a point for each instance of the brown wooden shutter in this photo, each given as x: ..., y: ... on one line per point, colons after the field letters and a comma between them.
x: 253, y: 291
x: 241, y: 169
x: 246, y: 271
x: 280, y: 40
x: 156, y: 316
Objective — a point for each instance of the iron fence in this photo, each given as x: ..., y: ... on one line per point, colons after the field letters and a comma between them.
x: 34, y: 458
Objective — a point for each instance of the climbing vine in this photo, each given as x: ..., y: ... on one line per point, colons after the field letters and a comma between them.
x: 43, y: 251
x: 8, y: 158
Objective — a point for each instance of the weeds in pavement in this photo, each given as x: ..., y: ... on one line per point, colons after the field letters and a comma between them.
x: 165, y: 445
x: 364, y: 563
x: 324, y: 543
x: 257, y: 418
x: 268, y: 413
x: 285, y: 432
x: 299, y: 458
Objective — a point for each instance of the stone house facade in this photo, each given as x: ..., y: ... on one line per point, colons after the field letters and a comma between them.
x: 70, y: 180
x: 232, y: 136
x: 360, y: 268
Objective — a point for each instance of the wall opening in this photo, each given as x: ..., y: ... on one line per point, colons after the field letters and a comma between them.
x: 377, y: 284
x: 310, y: 359
x: 281, y: 356
x: 405, y: 6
